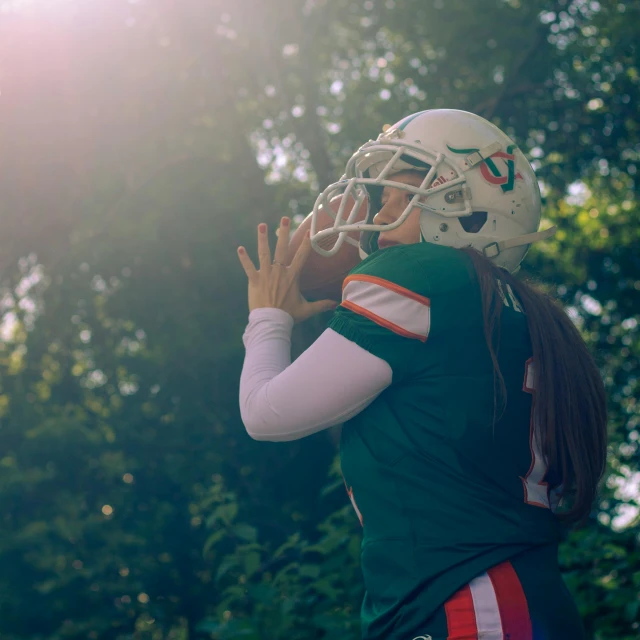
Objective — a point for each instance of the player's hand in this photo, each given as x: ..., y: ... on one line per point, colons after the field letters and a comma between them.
x: 275, y: 285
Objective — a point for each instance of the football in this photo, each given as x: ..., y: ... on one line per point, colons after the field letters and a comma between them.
x: 322, y: 277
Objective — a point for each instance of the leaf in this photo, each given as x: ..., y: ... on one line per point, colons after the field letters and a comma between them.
x: 245, y: 531
x: 228, y: 563
x: 251, y: 563
x: 289, y: 544
x: 213, y: 539
x: 309, y: 571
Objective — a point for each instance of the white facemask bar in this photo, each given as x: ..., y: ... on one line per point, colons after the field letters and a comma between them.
x: 347, y: 185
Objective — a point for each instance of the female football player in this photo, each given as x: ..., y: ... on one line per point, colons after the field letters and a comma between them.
x: 474, y: 419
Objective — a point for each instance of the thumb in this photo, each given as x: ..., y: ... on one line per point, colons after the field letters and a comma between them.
x: 323, y: 305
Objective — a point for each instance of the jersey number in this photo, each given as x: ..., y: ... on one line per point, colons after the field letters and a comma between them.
x: 536, y: 489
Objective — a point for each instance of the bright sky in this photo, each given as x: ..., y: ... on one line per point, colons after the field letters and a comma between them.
x: 12, y: 6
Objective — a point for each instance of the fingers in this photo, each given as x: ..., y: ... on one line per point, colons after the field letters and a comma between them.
x: 264, y: 251
x: 247, y: 263
x: 282, y: 245
x: 322, y: 306
x: 303, y: 252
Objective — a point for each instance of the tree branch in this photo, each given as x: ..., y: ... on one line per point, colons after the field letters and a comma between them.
x: 308, y: 129
x: 488, y: 108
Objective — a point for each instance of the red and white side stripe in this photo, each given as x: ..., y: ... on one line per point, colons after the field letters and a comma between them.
x: 491, y: 607
x: 391, y: 306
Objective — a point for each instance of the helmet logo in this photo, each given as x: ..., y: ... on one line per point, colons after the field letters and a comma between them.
x: 490, y: 171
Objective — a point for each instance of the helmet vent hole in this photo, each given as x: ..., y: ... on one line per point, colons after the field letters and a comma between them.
x: 474, y: 222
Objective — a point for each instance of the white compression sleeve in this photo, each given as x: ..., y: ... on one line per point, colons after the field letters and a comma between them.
x: 332, y: 381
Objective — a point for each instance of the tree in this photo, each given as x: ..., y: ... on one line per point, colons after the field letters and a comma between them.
x: 135, y: 504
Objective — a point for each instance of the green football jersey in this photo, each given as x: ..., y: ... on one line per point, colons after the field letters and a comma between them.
x: 442, y: 489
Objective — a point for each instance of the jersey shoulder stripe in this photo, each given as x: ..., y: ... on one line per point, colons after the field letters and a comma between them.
x: 388, y: 304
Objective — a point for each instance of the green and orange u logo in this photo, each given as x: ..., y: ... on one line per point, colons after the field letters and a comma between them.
x: 490, y: 171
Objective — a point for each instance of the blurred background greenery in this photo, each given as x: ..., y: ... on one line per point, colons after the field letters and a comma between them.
x: 141, y: 141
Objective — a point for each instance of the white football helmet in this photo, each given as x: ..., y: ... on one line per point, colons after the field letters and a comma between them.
x: 473, y: 172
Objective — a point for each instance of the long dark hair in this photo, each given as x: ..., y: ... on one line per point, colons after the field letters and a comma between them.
x: 571, y: 404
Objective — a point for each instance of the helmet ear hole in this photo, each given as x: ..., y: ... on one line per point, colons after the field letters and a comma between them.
x: 474, y: 222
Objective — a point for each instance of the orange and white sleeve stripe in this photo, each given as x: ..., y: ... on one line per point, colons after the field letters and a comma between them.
x: 389, y: 305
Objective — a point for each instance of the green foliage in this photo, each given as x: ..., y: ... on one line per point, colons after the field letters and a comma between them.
x: 601, y: 569
x: 134, y: 504
x: 297, y: 589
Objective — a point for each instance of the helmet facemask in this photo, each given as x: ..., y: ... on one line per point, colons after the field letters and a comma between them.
x: 369, y: 170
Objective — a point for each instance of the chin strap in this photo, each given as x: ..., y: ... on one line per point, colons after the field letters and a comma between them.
x: 482, y: 154
x: 496, y: 248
